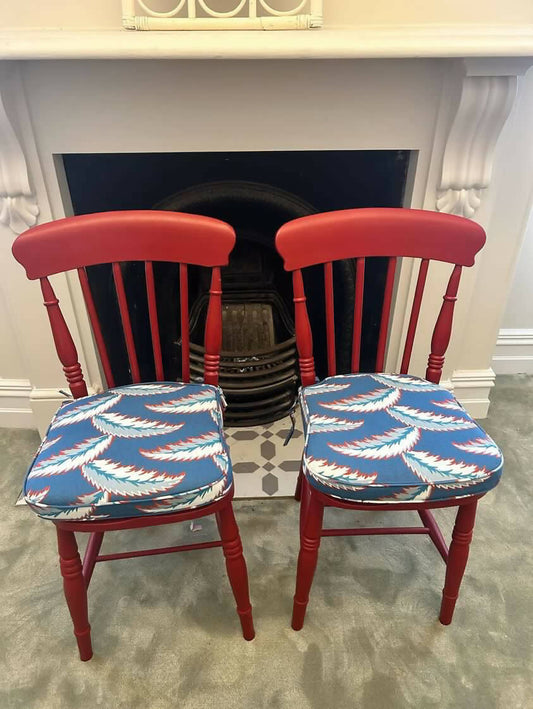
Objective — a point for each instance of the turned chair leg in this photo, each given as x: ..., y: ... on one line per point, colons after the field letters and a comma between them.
x: 457, y: 558
x: 236, y: 567
x: 308, y: 557
x: 75, y: 590
x: 299, y: 483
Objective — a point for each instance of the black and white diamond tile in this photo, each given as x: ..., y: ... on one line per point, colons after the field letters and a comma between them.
x: 262, y: 465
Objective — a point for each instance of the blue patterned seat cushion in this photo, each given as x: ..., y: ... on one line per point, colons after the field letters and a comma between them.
x: 141, y: 449
x: 393, y: 438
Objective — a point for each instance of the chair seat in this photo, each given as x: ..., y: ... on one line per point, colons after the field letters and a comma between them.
x: 393, y: 438
x: 135, y: 450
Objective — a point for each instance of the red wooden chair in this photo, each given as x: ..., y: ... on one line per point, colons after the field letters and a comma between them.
x: 138, y: 455
x: 378, y: 441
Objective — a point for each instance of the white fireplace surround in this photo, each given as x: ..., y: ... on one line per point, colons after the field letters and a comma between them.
x: 468, y: 121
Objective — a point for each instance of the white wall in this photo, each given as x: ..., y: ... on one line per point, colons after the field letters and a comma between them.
x: 337, y: 13
x: 15, y: 386
x: 519, y: 310
x: 514, y: 347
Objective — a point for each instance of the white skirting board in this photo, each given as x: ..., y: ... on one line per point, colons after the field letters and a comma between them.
x: 472, y: 388
x: 15, y: 408
x: 22, y: 406
x: 514, y: 352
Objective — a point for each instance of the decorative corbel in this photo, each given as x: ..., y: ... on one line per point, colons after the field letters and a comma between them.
x: 18, y: 205
x: 485, y: 104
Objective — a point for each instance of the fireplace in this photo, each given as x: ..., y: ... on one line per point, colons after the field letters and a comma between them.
x: 103, y: 98
x: 256, y: 192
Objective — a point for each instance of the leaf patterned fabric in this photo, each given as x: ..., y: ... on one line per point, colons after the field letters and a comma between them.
x: 400, y: 439
x: 133, y: 450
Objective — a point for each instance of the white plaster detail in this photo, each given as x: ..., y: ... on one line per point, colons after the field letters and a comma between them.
x: 18, y: 206
x: 233, y: 15
x: 364, y: 42
x: 485, y: 104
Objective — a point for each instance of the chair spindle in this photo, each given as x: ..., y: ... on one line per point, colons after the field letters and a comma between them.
x: 184, y: 321
x: 96, y: 328
x: 415, y: 312
x: 304, y: 337
x: 330, y: 317
x: 213, y: 329
x: 358, y: 313
x: 154, y: 324
x: 65, y: 347
x: 443, y: 329
x: 385, y: 314
x: 126, y: 323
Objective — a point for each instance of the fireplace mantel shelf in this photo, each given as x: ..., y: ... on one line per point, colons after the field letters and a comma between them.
x: 413, y: 41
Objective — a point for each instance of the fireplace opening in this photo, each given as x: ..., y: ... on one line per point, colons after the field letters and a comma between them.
x: 258, y: 367
x: 256, y: 193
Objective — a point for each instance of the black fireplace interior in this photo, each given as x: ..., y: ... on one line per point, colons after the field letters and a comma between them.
x: 256, y: 192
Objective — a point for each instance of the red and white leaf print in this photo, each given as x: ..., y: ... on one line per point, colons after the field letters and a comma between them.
x: 451, y: 404
x: 480, y: 446
x: 376, y: 400
x: 48, y: 443
x: 131, y: 426
x: 197, y: 402
x: 71, y: 458
x: 330, y: 424
x: 433, y: 469
x: 148, y: 389
x: 83, y: 412
x: 35, y: 496
x: 128, y: 480
x: 195, y: 498
x: 409, y: 493
x: 323, y: 388
x: 74, y: 514
x: 405, y: 382
x: 320, y: 468
x: 383, y: 445
x: 195, y: 448
x: 428, y: 420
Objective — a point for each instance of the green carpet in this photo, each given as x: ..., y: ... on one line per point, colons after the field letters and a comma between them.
x: 165, y: 633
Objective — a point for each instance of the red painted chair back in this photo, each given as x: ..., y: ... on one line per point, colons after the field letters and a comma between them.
x: 117, y: 237
x: 362, y: 233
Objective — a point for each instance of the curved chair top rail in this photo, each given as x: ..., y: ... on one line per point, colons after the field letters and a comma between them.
x: 350, y: 233
x: 113, y: 238
x: 390, y: 233
x: 140, y: 235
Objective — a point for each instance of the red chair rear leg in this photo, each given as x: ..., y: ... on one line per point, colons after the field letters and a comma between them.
x: 236, y: 567
x: 457, y: 558
x: 308, y: 557
x: 75, y: 590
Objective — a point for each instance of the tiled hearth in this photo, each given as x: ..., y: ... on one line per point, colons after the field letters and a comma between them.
x: 262, y: 465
